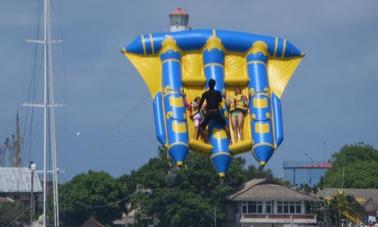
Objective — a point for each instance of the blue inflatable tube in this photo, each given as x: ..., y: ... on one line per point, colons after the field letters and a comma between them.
x: 277, y: 118
x: 159, y: 119
x: 260, y: 106
x: 177, y: 132
x: 213, y: 61
x: 171, y: 63
x: 150, y: 44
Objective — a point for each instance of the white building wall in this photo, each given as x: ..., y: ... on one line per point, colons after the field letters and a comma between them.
x: 270, y: 220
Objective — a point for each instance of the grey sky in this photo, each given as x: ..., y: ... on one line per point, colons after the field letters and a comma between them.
x: 332, y: 94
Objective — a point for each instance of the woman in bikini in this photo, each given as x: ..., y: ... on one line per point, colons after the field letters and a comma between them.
x: 196, y: 115
x: 238, y: 106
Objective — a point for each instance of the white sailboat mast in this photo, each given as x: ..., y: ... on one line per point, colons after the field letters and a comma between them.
x: 45, y: 111
x: 48, y: 105
x: 49, y: 136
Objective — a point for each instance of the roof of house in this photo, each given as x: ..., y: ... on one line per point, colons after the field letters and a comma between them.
x: 16, y: 179
x: 179, y: 11
x: 368, y: 198
x: 92, y: 222
x: 261, y: 189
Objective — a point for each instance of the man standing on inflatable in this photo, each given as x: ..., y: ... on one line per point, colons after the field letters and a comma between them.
x: 213, y: 100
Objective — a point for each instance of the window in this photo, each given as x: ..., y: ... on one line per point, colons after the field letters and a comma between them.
x: 292, y: 207
x: 259, y: 207
x: 244, y: 207
x: 251, y: 207
x: 286, y: 207
x: 184, y: 20
x: 298, y: 209
x: 175, y: 20
x: 268, y: 207
x: 279, y: 207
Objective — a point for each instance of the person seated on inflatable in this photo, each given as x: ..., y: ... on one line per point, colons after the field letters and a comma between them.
x: 196, y: 115
x: 238, y: 106
x: 213, y: 99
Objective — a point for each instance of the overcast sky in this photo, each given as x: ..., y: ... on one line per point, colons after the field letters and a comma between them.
x: 332, y: 95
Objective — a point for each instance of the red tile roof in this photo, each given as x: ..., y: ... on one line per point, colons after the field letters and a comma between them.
x: 179, y: 11
x: 92, y: 222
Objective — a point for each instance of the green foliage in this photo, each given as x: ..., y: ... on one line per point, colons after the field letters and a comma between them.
x: 339, y: 204
x: 358, y: 163
x: 308, y: 189
x: 157, y: 191
x: 11, y: 214
x: 85, y: 195
x: 188, y: 196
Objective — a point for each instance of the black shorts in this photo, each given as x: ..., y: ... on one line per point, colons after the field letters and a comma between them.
x: 213, y: 115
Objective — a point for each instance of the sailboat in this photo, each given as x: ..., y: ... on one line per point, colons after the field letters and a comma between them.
x: 49, y: 127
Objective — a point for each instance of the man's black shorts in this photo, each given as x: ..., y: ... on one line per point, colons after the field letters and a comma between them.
x: 213, y: 115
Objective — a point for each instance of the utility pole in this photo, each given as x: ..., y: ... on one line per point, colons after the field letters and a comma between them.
x: 33, y: 168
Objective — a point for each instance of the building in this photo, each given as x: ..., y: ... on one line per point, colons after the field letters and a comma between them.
x: 15, y: 183
x: 178, y: 20
x: 260, y: 203
x: 92, y: 222
x: 305, y: 172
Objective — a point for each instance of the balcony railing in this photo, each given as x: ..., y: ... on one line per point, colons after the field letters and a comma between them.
x: 277, y: 218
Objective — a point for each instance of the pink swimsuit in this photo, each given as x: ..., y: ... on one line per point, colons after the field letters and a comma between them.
x: 197, y: 117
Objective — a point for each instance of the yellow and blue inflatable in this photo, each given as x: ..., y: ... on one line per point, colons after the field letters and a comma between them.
x: 172, y: 64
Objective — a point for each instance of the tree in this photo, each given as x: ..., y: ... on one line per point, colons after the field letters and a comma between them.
x: 89, y: 194
x: 157, y: 191
x: 339, y: 205
x: 354, y: 166
x: 12, y: 214
x: 188, y: 196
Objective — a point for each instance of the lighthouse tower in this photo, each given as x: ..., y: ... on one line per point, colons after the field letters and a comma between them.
x: 178, y: 20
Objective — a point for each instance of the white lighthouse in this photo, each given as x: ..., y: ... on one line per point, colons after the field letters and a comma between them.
x: 178, y: 20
